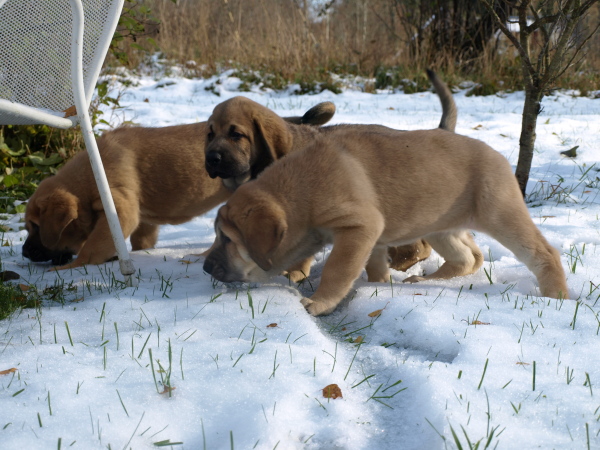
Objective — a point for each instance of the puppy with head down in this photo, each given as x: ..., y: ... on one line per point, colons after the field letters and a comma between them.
x: 241, y: 131
x: 156, y: 176
x: 365, y: 188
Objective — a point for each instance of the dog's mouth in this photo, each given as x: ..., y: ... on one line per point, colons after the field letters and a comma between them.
x: 36, y: 252
x: 56, y: 258
x: 220, y: 273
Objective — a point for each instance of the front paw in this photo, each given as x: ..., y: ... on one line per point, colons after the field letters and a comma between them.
x: 318, y: 308
x: 295, y: 276
x: 413, y: 279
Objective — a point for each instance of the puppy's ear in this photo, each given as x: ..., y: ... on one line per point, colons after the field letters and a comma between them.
x: 56, y: 212
x: 272, y: 138
x: 264, y: 231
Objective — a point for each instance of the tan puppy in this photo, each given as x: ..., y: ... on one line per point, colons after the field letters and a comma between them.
x: 156, y: 177
x: 364, y: 188
x: 242, y: 131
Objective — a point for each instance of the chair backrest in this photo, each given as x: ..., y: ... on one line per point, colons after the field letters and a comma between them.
x: 35, y: 52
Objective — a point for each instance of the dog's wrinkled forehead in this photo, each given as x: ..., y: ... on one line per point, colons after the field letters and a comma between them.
x: 236, y: 112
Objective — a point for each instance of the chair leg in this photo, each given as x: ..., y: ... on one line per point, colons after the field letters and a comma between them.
x: 82, y: 106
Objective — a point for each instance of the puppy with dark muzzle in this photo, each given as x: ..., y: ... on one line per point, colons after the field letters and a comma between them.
x: 365, y: 188
x: 156, y: 176
x: 244, y: 137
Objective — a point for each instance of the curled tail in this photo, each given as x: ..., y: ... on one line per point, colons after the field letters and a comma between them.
x: 449, y: 111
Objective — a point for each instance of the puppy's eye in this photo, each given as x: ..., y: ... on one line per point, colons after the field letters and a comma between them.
x: 225, y: 239
x: 210, y: 136
x: 236, y: 136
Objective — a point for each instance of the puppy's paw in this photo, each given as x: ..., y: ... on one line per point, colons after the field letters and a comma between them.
x: 317, y: 308
x: 413, y: 279
x: 295, y: 276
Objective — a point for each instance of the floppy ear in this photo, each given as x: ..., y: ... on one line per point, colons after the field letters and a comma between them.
x: 263, y: 233
x: 56, y: 212
x: 272, y: 139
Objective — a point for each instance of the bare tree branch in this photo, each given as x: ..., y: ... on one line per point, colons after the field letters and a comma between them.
x: 502, y: 26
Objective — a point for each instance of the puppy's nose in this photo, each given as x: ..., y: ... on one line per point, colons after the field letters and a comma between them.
x: 208, y: 266
x: 213, y: 158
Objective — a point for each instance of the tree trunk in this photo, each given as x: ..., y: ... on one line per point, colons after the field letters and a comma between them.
x: 531, y: 110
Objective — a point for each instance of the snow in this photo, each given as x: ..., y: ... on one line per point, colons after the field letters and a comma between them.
x: 482, y: 356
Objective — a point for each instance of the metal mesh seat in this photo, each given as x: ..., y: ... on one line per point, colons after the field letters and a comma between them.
x: 51, y: 53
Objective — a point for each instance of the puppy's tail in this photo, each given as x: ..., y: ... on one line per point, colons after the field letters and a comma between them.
x: 319, y: 114
x: 449, y: 110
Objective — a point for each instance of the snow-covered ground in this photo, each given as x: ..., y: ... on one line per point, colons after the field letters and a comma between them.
x: 481, y: 356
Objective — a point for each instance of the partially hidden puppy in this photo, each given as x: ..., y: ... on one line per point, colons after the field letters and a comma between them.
x: 156, y: 176
x: 365, y: 188
x: 241, y: 131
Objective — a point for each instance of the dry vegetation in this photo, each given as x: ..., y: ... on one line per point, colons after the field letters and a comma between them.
x: 390, y: 40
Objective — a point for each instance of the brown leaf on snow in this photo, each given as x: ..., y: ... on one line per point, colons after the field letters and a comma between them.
x: 523, y: 363
x: 24, y: 287
x: 9, y: 275
x: 375, y: 313
x: 332, y: 391
x: 70, y: 111
x: 168, y: 389
x: 185, y: 261
x: 77, y: 300
x: 272, y: 325
x: 7, y: 371
x: 479, y: 322
x: 358, y: 340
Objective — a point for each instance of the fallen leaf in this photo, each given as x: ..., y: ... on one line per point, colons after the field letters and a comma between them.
x: 272, y: 325
x: 6, y: 244
x: 168, y: 389
x: 477, y: 127
x: 571, y: 153
x: 332, y: 391
x: 7, y: 371
x: 9, y: 275
x: 77, y: 300
x: 185, y: 261
x: 70, y: 111
x: 344, y: 329
x: 586, y: 192
x: 391, y: 108
x: 416, y: 293
x: 375, y: 313
x: 24, y: 287
x: 146, y: 100
x: 523, y: 363
x: 358, y: 340
x: 547, y: 217
x: 479, y: 322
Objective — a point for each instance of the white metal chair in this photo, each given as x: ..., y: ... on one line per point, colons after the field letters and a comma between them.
x: 50, y: 58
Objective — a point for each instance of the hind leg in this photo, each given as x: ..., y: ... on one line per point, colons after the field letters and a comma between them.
x: 144, y: 236
x: 377, y: 266
x: 516, y: 231
x: 461, y: 255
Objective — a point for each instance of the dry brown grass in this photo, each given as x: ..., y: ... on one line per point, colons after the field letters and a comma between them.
x: 363, y: 37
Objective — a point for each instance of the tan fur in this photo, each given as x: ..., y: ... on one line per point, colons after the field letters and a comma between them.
x: 156, y: 176
x: 241, y: 131
x: 364, y: 188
